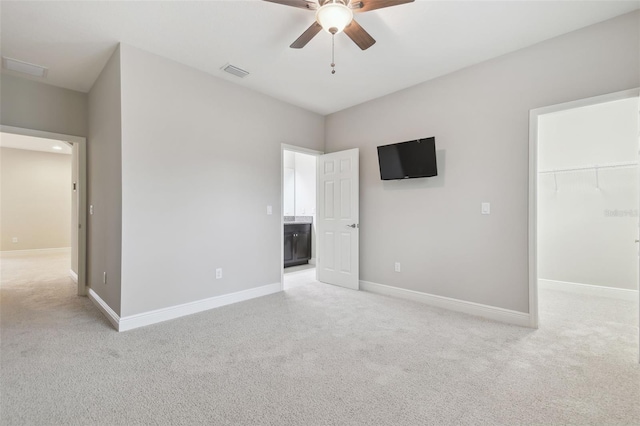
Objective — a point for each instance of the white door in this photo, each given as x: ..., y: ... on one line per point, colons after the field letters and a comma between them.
x: 338, y: 219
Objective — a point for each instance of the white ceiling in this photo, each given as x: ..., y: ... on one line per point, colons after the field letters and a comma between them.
x: 415, y: 42
x: 30, y: 143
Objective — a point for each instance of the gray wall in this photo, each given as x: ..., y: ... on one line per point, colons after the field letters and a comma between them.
x: 38, y: 106
x: 480, y: 118
x: 104, y: 173
x: 36, y: 199
x: 33, y: 105
x: 586, y: 235
x: 200, y: 163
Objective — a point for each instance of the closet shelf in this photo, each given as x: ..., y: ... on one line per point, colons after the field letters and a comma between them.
x: 591, y: 168
x: 596, y: 169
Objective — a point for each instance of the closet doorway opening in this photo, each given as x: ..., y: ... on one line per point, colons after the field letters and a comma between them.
x: 584, y: 220
x: 298, y: 215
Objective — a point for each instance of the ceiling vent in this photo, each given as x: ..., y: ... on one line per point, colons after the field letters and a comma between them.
x: 24, y: 67
x: 238, y: 72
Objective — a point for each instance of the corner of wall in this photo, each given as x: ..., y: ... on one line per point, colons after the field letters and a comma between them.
x: 104, y: 165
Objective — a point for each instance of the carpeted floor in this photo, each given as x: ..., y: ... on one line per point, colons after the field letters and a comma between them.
x: 312, y: 355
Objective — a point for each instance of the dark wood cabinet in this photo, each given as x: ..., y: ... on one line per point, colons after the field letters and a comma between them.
x: 297, y: 244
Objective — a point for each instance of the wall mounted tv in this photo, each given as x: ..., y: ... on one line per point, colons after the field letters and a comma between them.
x: 406, y: 160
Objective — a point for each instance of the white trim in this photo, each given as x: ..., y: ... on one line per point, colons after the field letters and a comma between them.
x: 312, y: 261
x: 533, y: 218
x: 286, y: 147
x: 81, y: 143
x: 152, y: 317
x: 533, y: 183
x: 35, y: 251
x: 73, y: 275
x: 42, y: 134
x: 113, y: 318
x: 471, y: 308
x: 589, y: 289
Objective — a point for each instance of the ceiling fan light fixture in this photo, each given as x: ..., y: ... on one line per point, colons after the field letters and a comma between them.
x: 334, y: 16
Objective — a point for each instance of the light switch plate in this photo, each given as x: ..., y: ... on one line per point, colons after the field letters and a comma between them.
x: 486, y: 208
x: 269, y: 210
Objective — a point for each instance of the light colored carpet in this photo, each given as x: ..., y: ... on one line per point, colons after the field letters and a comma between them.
x: 312, y: 355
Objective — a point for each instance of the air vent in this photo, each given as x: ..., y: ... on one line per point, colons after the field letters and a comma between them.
x: 238, y: 72
x: 24, y: 67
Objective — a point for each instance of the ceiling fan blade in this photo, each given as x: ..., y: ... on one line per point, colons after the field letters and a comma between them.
x: 366, y: 5
x: 359, y: 35
x: 303, y: 4
x: 306, y: 36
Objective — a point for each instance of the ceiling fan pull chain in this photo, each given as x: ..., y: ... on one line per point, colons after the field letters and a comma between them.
x: 333, y: 49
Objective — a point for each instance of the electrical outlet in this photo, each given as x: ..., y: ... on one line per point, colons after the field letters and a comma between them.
x: 269, y: 210
x: 218, y: 273
x: 397, y: 267
x: 14, y: 240
x: 104, y: 278
x: 91, y: 209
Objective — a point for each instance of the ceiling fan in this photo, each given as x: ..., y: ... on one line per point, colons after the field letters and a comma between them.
x: 335, y: 16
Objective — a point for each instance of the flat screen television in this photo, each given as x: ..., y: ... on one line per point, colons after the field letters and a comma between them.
x: 406, y: 160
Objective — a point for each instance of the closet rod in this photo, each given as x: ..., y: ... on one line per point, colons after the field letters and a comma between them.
x: 594, y: 168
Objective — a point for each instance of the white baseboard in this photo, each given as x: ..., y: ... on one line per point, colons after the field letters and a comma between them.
x: 593, y: 290
x: 152, y: 317
x: 35, y: 251
x: 471, y: 308
x: 73, y: 276
x: 172, y: 312
x: 113, y: 318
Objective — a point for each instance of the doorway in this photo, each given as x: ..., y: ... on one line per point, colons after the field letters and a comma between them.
x: 77, y: 188
x: 298, y: 214
x: 338, y: 216
x: 584, y: 202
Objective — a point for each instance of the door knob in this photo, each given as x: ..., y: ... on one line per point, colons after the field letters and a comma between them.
x: 353, y: 225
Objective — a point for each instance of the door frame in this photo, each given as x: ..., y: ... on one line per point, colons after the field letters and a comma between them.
x: 285, y: 147
x: 533, y: 184
x: 81, y: 144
